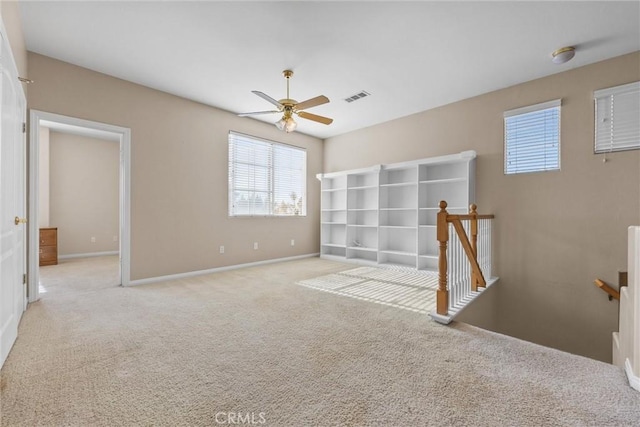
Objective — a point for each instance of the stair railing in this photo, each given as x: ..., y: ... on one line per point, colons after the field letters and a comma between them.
x: 464, y: 263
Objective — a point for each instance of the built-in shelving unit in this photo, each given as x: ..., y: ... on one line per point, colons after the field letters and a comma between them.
x: 386, y: 214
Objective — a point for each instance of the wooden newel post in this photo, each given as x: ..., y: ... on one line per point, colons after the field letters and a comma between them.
x: 442, y: 231
x: 474, y: 242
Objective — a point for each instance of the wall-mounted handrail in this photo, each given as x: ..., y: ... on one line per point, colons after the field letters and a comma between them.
x: 608, y: 289
x: 469, y: 268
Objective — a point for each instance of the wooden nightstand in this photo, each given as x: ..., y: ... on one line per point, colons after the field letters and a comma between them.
x: 48, y: 246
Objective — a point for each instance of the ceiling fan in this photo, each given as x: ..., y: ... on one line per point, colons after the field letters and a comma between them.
x: 289, y: 107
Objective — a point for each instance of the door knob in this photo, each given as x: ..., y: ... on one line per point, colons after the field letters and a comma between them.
x: 19, y: 220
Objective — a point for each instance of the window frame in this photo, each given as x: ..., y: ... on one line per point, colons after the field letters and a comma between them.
x: 548, y: 105
x: 272, y: 181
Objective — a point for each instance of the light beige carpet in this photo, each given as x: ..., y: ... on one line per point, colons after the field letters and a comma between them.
x: 251, y: 342
x: 397, y: 287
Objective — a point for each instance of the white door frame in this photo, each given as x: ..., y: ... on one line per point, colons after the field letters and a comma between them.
x: 35, y: 117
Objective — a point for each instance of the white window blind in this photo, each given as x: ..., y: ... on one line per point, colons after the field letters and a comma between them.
x: 266, y: 178
x: 532, y: 138
x: 617, y: 118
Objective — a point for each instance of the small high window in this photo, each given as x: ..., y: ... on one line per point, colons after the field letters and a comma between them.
x: 266, y: 178
x: 532, y: 138
x: 617, y: 118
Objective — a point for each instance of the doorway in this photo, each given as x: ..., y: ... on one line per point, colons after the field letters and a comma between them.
x: 40, y: 120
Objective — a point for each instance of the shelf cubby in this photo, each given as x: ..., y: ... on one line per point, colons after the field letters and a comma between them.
x: 333, y: 251
x: 362, y: 198
x: 333, y: 216
x: 368, y: 217
x: 334, y: 183
x: 442, y: 171
x: 362, y: 254
x: 334, y: 199
x: 398, y: 239
x: 398, y: 197
x: 362, y: 237
x: 454, y: 192
x: 398, y: 217
x: 334, y: 234
x: 363, y: 180
x: 401, y: 175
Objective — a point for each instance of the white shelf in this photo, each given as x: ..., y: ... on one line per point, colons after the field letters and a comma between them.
x: 333, y: 245
x: 334, y: 223
x: 443, y: 181
x: 397, y: 209
x: 364, y: 187
x: 427, y: 226
x: 333, y: 210
x: 362, y: 248
x: 362, y: 209
x: 449, y: 208
x: 399, y: 226
x: 363, y: 225
x: 398, y: 184
x: 333, y: 190
x: 384, y: 251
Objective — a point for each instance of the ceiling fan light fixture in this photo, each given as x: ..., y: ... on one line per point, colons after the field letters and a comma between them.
x: 291, y: 125
x: 562, y: 55
x: 286, y: 124
x: 290, y: 107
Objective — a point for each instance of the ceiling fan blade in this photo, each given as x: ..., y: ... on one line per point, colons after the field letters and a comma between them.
x: 255, y: 113
x: 313, y: 102
x: 267, y: 98
x: 315, y: 117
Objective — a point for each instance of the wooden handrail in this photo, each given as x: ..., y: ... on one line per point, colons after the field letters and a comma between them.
x: 470, y: 249
x: 608, y: 289
x: 451, y: 218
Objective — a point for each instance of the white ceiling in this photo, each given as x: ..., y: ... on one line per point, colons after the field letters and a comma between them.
x: 411, y: 56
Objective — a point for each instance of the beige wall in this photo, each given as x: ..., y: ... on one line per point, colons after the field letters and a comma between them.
x: 179, y: 172
x: 84, y: 196
x: 43, y: 178
x: 555, y: 231
x: 10, y: 13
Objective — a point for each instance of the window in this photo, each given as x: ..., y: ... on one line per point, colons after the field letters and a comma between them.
x: 266, y: 178
x: 532, y: 138
x: 617, y: 118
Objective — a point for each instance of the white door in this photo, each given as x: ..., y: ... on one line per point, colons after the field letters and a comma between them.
x: 12, y: 201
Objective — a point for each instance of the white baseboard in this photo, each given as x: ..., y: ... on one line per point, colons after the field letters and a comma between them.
x: 215, y: 270
x: 634, y: 381
x: 88, y: 255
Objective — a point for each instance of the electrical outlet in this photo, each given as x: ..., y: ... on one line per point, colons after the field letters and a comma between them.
x: 115, y: 238
x: 93, y: 239
x: 221, y: 249
x: 293, y: 242
x: 255, y: 246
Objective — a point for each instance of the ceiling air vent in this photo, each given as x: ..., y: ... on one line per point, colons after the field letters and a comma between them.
x: 357, y: 96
